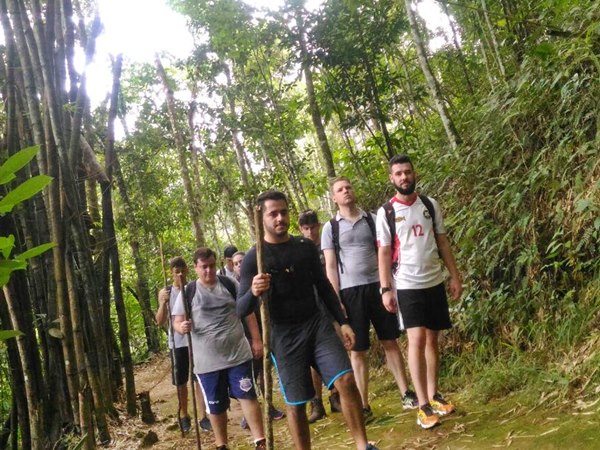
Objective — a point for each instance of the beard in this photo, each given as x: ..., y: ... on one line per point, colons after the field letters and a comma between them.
x: 408, y: 190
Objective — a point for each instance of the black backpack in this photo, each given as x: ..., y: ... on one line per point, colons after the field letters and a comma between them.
x: 390, y: 217
x: 335, y: 235
x: 190, y: 290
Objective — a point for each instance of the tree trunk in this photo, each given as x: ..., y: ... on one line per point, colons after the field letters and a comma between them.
x: 142, y: 291
x: 494, y: 42
x: 457, y: 47
x: 432, y: 82
x: 112, y: 249
x: 193, y: 207
x: 315, y: 113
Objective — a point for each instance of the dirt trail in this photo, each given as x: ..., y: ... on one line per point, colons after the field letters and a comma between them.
x: 155, y: 376
x: 512, y: 421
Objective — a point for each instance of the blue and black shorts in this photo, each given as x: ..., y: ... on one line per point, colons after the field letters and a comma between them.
x: 297, y: 347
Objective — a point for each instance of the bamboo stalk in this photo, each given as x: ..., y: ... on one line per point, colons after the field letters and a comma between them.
x: 188, y: 316
x: 266, y: 333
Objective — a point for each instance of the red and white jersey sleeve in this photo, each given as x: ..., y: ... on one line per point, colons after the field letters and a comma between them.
x: 419, y: 264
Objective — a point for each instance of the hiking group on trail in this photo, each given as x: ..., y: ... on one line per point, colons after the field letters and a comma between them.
x: 323, y: 294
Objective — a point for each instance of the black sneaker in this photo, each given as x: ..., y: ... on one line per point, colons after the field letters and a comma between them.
x: 317, y: 410
x: 185, y: 424
x: 334, y: 402
x: 261, y: 445
x: 409, y: 400
x: 371, y: 447
x: 222, y: 447
x: 205, y: 424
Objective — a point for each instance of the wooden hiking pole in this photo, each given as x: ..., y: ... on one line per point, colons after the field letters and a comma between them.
x: 171, y: 333
x: 266, y: 332
x: 188, y: 316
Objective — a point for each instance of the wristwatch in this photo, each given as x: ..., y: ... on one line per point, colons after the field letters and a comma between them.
x: 384, y: 289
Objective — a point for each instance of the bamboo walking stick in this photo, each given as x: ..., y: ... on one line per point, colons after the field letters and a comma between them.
x: 188, y: 316
x: 266, y: 333
x: 171, y: 333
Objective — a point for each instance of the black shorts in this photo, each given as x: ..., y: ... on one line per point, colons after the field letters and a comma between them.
x: 295, y: 348
x: 425, y: 308
x: 364, y: 306
x: 180, y: 366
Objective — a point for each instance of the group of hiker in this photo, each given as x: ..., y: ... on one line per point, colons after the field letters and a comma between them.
x: 325, y: 289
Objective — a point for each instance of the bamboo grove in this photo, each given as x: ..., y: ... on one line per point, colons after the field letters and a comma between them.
x: 500, y: 115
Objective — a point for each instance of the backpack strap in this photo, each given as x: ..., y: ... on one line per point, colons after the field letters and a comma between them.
x: 190, y: 292
x: 371, y: 223
x: 229, y: 285
x: 427, y: 202
x: 390, y: 218
x: 335, y: 237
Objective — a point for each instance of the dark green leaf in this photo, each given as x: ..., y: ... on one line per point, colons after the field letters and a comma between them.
x: 7, y: 334
x: 7, y: 243
x: 35, y: 251
x: 23, y: 192
x: 16, y: 162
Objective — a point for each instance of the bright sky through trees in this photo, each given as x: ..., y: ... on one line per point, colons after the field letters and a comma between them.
x: 140, y: 28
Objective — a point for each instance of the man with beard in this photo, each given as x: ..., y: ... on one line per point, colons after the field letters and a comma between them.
x: 349, y: 244
x: 301, y: 336
x: 411, y: 238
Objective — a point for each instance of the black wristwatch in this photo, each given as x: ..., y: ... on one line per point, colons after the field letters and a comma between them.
x: 384, y: 289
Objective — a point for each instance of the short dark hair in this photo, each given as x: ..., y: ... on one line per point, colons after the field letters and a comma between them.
x: 178, y: 262
x: 270, y: 195
x: 308, y: 217
x: 229, y: 251
x: 203, y: 253
x: 400, y: 159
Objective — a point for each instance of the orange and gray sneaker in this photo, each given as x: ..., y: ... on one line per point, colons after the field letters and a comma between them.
x: 426, y: 418
x: 440, y: 406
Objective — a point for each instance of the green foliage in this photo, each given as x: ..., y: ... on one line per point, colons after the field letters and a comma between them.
x: 15, y: 196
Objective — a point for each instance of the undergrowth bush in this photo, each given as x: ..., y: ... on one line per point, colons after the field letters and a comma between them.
x: 522, y: 203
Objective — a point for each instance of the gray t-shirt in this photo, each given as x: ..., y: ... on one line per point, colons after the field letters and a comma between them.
x: 217, y: 334
x: 357, y: 252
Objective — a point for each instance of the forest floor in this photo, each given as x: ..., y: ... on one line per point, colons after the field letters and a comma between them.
x: 517, y: 421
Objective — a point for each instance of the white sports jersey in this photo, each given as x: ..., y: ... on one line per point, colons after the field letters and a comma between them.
x: 417, y: 253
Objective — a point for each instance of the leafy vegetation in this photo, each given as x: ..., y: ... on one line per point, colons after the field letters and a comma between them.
x: 501, y: 120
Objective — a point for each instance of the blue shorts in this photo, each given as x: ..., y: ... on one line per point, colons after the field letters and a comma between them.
x: 217, y: 387
x: 295, y: 348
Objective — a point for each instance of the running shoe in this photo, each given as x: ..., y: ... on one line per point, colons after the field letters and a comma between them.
x: 440, y: 406
x: 409, y: 400
x: 426, y: 418
x: 222, y: 447
x: 276, y: 414
x: 317, y: 410
x: 185, y: 424
x: 371, y: 447
x: 261, y: 445
x: 205, y: 424
x: 334, y: 402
